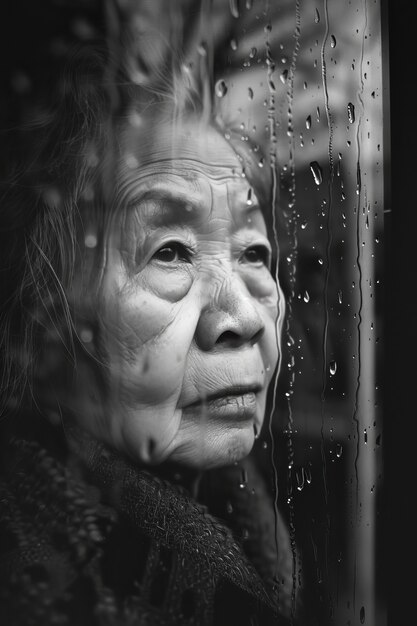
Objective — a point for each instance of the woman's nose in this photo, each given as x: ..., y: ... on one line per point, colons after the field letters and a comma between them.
x: 231, y: 318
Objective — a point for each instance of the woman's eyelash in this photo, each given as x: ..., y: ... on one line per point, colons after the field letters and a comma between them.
x: 258, y: 254
x: 173, y: 252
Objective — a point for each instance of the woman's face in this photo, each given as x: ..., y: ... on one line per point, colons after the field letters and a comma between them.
x: 188, y: 312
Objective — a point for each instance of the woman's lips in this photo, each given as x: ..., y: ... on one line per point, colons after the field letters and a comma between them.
x: 234, y: 403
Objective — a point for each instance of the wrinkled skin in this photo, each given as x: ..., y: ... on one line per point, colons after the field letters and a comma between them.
x: 189, y: 314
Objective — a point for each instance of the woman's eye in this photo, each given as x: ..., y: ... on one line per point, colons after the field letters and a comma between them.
x: 173, y: 252
x: 256, y: 255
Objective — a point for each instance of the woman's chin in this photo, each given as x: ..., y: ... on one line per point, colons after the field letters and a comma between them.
x: 215, y: 449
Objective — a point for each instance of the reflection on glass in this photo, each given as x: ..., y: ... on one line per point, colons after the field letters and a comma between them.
x: 297, y: 92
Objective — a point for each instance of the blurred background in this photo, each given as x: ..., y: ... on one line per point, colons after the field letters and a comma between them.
x: 303, y: 80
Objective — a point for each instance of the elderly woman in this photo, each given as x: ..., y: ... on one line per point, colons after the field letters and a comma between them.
x: 141, y: 329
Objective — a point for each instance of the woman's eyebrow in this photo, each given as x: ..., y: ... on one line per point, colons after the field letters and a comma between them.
x: 162, y: 207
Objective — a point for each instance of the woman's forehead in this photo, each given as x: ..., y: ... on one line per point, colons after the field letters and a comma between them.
x: 163, y: 144
x: 175, y: 199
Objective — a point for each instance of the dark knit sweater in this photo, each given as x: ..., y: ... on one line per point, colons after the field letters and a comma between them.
x: 87, y: 538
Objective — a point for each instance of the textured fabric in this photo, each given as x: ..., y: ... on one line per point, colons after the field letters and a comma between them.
x: 88, y: 538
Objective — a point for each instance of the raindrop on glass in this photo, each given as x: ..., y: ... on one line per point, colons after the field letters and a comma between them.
x: 86, y: 335
x: 284, y: 76
x: 351, y: 112
x: 52, y: 197
x: 306, y: 296
x: 249, y: 200
x: 244, y: 480
x: 339, y: 450
x: 221, y: 88
x: 316, y: 16
x: 90, y: 240
x: 332, y: 368
x: 234, y: 8
x: 362, y: 614
x: 233, y: 44
x: 317, y: 173
x: 300, y: 479
x: 333, y: 41
x: 250, y: 93
x: 21, y: 83
x: 252, y: 53
x: 308, y: 122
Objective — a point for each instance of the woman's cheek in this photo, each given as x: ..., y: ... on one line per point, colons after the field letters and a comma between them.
x: 170, y: 284
x: 147, y: 339
x: 261, y: 285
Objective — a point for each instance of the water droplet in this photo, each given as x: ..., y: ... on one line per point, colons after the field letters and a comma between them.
x: 21, y: 83
x: 300, y: 479
x: 250, y: 93
x: 284, y: 76
x: 249, y: 4
x: 320, y: 261
x: 52, y: 197
x: 261, y: 162
x: 307, y: 472
x: 332, y: 368
x: 233, y: 44
x: 244, y: 479
x: 234, y: 8
x: 365, y: 436
x: 318, y: 114
x: 308, y: 122
x: 351, y: 112
x: 249, y: 200
x: 317, y: 173
x: 362, y: 614
x: 304, y: 225
x: 135, y: 119
x: 131, y: 161
x: 202, y: 49
x: 333, y: 41
x: 86, y: 335
x: 87, y: 193
x: 90, y: 240
x: 306, y: 297
x: 229, y: 507
x: 252, y: 53
x: 339, y: 450
x: 220, y: 88
x: 316, y: 16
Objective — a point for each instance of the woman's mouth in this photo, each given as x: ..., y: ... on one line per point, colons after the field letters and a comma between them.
x: 236, y: 403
